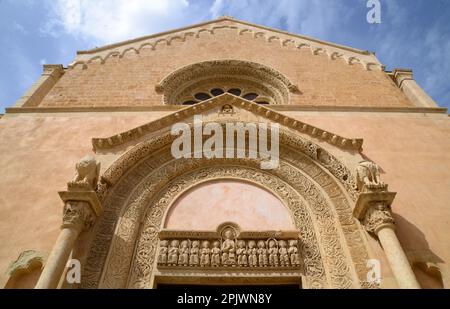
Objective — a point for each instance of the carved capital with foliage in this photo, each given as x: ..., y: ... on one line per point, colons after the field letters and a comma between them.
x: 378, y: 215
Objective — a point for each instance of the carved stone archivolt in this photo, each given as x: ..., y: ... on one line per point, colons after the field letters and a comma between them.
x: 229, y: 247
x: 311, y: 203
x: 182, y: 83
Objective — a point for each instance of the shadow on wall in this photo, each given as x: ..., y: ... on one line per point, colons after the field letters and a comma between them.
x: 430, y: 270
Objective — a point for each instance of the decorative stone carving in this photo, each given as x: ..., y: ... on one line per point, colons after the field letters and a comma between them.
x: 78, y: 214
x: 378, y: 216
x: 289, y: 171
x: 368, y: 177
x: 293, y: 253
x: 205, y: 251
x: 283, y: 251
x: 173, y: 253
x: 241, y: 253
x: 262, y: 254
x: 163, y: 250
x: 312, y: 255
x: 184, y: 81
x: 193, y: 253
x: 87, y: 175
x: 227, y: 109
x: 233, y: 251
x: 26, y: 262
x: 252, y: 254
x: 215, y: 254
x: 217, y: 103
x: 183, y: 257
x: 228, y: 249
x: 273, y: 253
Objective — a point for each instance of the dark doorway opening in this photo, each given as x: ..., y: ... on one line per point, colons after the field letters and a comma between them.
x: 228, y: 287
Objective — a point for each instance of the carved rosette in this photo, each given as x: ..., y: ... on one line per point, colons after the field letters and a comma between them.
x: 78, y: 215
x: 378, y: 215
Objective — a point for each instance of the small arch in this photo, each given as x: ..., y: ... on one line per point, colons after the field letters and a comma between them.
x: 146, y: 45
x: 96, y: 59
x: 129, y: 50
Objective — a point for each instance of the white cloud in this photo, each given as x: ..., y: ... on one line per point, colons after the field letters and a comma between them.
x: 108, y: 21
x: 314, y: 18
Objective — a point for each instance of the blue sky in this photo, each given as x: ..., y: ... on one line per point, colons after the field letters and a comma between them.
x: 412, y: 33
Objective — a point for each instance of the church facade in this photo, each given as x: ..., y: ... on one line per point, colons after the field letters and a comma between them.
x: 225, y: 153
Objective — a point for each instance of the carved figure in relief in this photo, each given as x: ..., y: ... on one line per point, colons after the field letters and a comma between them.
x: 273, y: 253
x: 215, y: 254
x: 87, y: 174
x: 241, y: 253
x: 368, y: 175
x: 173, y: 252
x: 262, y: 254
x: 204, y: 254
x: 163, y: 250
x: 228, y: 249
x: 293, y: 252
x: 193, y: 253
x: 283, y: 251
x: 183, y: 258
x: 252, y: 254
x: 227, y: 109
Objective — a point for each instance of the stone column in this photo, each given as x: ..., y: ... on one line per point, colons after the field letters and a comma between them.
x: 81, y: 208
x: 373, y: 209
x: 78, y: 216
x: 405, y: 81
x: 379, y: 221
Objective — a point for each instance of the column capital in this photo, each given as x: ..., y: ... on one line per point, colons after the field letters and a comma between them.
x: 81, y: 209
x: 78, y: 215
x: 373, y: 209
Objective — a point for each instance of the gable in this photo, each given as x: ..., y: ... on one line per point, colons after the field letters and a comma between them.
x: 133, y: 73
x: 211, y: 111
x: 367, y: 60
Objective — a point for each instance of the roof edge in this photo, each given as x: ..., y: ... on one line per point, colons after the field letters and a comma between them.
x: 223, y: 18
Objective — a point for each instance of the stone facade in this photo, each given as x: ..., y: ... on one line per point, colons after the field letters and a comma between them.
x: 337, y: 108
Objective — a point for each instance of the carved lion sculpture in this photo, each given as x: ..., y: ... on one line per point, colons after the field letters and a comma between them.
x: 88, y: 171
x: 368, y: 176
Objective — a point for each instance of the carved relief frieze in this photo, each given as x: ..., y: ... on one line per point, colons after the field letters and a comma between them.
x: 228, y: 247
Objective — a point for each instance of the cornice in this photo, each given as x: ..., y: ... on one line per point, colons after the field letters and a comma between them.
x: 259, y: 110
x: 223, y: 18
x: 165, y: 108
x: 351, y: 56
